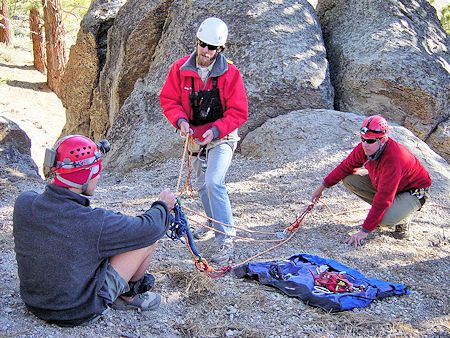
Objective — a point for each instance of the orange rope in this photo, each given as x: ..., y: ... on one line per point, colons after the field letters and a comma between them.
x: 187, y: 189
x: 292, y: 229
x: 214, y: 273
x: 180, y: 173
x: 234, y: 236
x: 225, y: 224
x: 200, y: 263
x: 298, y: 221
x: 342, y: 212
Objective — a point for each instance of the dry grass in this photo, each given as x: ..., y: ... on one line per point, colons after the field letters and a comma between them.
x: 195, y: 286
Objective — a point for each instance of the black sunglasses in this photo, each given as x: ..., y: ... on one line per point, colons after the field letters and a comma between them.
x: 369, y: 140
x: 204, y: 44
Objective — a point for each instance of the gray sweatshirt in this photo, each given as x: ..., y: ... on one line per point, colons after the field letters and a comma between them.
x: 63, y: 247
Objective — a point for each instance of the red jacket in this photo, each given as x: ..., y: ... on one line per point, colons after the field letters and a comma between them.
x: 174, y: 96
x: 395, y: 171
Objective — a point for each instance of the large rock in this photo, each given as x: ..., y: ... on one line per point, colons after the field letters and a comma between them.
x: 277, y: 46
x: 132, y: 41
x: 15, y: 155
x: 86, y: 60
x: 391, y: 57
x: 320, y: 139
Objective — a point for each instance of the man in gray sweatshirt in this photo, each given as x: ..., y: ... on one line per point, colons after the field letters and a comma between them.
x: 75, y: 261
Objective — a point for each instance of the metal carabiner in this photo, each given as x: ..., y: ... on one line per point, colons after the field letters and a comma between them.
x: 320, y: 290
x: 202, y: 156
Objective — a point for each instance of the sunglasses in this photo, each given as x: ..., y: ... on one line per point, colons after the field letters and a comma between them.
x: 369, y: 140
x: 204, y: 44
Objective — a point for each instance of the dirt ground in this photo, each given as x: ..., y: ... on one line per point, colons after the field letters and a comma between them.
x: 266, y: 196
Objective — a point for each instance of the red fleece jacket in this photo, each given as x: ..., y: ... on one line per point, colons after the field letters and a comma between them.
x: 395, y: 171
x: 174, y: 96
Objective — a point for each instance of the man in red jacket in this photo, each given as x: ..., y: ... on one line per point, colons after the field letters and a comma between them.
x: 204, y: 97
x: 396, y: 184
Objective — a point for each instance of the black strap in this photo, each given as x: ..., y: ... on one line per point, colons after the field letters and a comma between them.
x: 214, y: 81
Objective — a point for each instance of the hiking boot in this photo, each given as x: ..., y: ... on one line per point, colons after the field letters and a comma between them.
x: 401, y: 231
x: 143, y: 301
x: 224, y: 254
x: 202, y: 232
x: 140, y: 286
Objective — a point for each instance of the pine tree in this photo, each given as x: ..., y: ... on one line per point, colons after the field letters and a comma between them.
x: 54, y: 43
x: 5, y: 25
x: 37, y: 37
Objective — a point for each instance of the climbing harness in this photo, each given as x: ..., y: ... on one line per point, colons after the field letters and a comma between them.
x: 332, y: 281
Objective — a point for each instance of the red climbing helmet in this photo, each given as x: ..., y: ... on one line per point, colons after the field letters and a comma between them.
x: 374, y: 126
x: 74, y: 153
x: 75, y: 159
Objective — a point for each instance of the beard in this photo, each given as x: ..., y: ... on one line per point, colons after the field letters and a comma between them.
x: 205, y: 59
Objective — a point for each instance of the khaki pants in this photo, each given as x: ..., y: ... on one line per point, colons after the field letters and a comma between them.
x: 402, y: 207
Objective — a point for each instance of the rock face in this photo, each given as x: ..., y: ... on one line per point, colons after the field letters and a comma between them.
x: 131, y: 43
x: 323, y: 138
x: 381, y: 54
x: 391, y: 57
x: 86, y: 60
x: 277, y: 46
x: 15, y: 155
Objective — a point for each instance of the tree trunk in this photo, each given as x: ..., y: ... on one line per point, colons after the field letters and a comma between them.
x: 37, y: 37
x: 55, y: 44
x: 5, y: 24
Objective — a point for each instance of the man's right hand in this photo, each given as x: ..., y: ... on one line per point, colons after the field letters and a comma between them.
x: 317, y: 193
x: 185, y: 129
x: 167, y: 197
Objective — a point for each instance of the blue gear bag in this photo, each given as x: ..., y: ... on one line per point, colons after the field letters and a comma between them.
x: 294, y: 276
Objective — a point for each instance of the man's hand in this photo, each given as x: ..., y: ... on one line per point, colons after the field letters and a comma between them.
x: 317, y: 193
x: 360, y: 171
x: 167, y: 197
x: 357, y: 238
x: 207, y: 138
x: 185, y: 129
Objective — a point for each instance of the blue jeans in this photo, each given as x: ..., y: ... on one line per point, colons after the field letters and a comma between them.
x: 212, y: 190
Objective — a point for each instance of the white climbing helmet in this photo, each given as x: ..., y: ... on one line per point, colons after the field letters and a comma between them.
x: 213, y: 31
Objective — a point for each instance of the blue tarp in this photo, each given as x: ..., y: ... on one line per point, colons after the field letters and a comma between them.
x: 293, y: 277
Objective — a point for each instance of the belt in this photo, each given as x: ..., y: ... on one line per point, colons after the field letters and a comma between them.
x: 202, y: 150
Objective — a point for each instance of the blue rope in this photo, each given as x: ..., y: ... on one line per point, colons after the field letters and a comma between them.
x: 179, y: 227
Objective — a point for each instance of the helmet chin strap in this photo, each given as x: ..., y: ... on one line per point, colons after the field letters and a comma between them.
x: 83, y: 186
x: 377, y: 154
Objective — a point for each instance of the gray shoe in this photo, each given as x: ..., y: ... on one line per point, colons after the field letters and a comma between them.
x: 224, y: 254
x: 202, y: 232
x: 401, y: 231
x: 143, y: 301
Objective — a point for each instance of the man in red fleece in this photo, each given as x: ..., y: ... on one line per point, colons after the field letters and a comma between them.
x: 396, y: 184
x: 204, y: 97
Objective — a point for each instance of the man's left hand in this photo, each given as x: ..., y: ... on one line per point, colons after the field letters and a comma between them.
x: 357, y: 238
x: 207, y: 138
